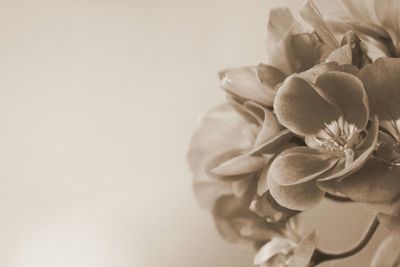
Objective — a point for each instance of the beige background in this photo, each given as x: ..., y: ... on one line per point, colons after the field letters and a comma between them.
x: 98, y: 100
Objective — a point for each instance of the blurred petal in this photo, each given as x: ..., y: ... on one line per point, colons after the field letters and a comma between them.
x: 207, y: 192
x: 281, y: 56
x: 266, y: 207
x: 270, y: 76
x: 280, y: 20
x: 304, y: 251
x: 375, y: 182
x: 349, y: 95
x: 272, y: 248
x: 312, y: 16
x: 360, y: 9
x: 388, y: 253
x: 300, y: 107
x: 381, y: 80
x: 243, y: 82
x: 240, y: 165
x: 299, y: 165
x: 303, y: 196
x: 388, y: 14
x: 225, y: 121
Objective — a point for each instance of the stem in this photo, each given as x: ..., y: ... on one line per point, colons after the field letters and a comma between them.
x: 320, y: 256
x: 337, y: 198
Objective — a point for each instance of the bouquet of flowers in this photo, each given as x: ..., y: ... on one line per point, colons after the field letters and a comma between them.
x: 319, y: 118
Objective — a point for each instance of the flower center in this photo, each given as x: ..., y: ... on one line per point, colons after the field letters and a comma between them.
x: 338, y: 135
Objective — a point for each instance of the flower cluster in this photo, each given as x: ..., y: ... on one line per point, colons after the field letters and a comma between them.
x: 320, y: 117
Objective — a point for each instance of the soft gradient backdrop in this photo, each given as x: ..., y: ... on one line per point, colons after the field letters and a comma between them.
x: 98, y: 100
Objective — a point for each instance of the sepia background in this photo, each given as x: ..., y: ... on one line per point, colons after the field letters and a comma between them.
x: 98, y: 100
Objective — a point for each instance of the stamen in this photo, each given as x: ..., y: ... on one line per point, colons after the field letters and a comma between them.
x: 338, y: 135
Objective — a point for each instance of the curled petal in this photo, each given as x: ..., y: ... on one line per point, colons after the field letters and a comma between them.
x: 280, y: 21
x: 243, y: 82
x: 299, y: 165
x: 303, y: 196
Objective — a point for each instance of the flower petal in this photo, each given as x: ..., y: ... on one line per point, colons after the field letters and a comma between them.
x: 388, y: 14
x: 341, y: 55
x: 243, y: 82
x: 388, y: 253
x: 266, y: 207
x: 239, y: 165
x: 275, y: 246
x: 204, y: 144
x: 381, y: 80
x: 299, y: 165
x: 301, y: 109
x: 309, y: 50
x: 304, y: 251
x: 349, y: 95
x: 281, y: 56
x: 312, y: 16
x: 360, y: 9
x: 303, y: 196
x: 280, y: 20
x: 270, y: 76
x: 375, y: 182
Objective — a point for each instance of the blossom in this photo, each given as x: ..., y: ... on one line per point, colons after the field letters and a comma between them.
x: 332, y: 115
x: 378, y: 181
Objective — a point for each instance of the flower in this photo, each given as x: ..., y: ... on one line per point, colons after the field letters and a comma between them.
x: 332, y: 115
x: 378, y: 182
